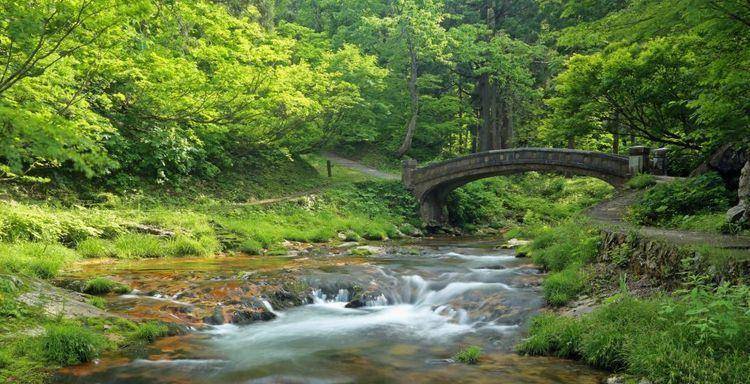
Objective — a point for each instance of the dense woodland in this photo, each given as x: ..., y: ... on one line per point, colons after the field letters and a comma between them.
x: 162, y: 89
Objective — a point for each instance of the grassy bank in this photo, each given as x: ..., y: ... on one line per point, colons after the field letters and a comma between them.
x: 697, y: 333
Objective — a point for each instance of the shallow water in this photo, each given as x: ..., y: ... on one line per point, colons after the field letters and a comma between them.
x: 422, y: 307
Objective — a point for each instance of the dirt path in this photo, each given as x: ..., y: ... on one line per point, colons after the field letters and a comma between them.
x: 343, y: 162
x: 610, y: 214
x: 336, y: 159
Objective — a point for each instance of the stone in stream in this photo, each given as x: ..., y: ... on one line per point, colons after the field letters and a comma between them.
x: 357, y: 303
x: 248, y: 316
x: 217, y: 318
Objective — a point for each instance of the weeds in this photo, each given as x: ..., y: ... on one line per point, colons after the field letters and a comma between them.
x: 469, y: 355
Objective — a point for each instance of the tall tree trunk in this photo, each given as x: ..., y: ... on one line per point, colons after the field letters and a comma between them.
x: 616, y: 134
x: 414, y: 97
x: 506, y: 128
x: 571, y: 142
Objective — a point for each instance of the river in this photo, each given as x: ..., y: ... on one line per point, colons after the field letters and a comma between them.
x: 421, y: 305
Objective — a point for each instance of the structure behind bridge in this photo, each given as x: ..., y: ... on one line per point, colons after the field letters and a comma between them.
x: 432, y: 183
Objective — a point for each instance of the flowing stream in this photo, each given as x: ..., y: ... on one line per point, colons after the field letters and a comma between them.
x: 420, y: 307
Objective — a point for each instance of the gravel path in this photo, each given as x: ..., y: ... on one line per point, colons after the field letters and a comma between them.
x: 336, y: 159
x: 610, y: 214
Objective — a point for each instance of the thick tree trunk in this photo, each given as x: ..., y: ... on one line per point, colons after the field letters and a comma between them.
x: 414, y: 97
x: 571, y: 142
x: 506, y: 131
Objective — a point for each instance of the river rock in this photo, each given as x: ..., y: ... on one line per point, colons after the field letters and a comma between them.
x: 247, y: 316
x: 357, y: 303
x: 217, y: 318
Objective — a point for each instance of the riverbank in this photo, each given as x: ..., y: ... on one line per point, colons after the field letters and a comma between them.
x: 642, y: 307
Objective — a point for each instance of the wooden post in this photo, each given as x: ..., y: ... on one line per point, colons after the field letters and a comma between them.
x: 328, y: 168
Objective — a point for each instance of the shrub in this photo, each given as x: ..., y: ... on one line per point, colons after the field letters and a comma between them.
x: 150, y: 331
x: 641, y: 181
x: 468, y: 355
x: 68, y: 344
x: 103, y: 285
x: 703, y: 194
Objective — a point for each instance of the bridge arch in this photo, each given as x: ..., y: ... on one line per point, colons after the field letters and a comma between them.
x: 431, y: 184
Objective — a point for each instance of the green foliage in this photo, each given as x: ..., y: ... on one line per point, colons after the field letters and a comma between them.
x: 469, y: 355
x: 68, y: 344
x: 573, y: 243
x: 702, y: 194
x: 553, y: 335
x: 150, y: 331
x: 98, y: 302
x: 563, y: 286
x: 698, y: 336
x: 34, y: 259
x: 531, y: 199
x: 103, y: 285
x: 641, y: 181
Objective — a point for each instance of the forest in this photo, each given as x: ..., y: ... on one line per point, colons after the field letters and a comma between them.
x: 302, y: 191
x: 116, y: 92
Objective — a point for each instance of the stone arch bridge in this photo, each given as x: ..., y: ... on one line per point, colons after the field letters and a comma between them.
x: 432, y: 183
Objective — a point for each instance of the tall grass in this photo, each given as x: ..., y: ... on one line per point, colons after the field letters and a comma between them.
x: 701, y: 335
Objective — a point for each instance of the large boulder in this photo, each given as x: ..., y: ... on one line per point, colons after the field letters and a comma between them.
x: 741, y: 212
x: 727, y: 161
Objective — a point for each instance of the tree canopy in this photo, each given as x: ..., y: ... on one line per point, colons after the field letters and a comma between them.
x: 162, y: 89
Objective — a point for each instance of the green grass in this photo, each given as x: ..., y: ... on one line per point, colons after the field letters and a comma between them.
x: 701, y: 335
x: 641, y: 181
x: 103, y: 286
x: 564, y: 286
x: 68, y: 344
x: 469, y: 355
x: 35, y: 259
x: 149, y: 332
x: 98, y: 302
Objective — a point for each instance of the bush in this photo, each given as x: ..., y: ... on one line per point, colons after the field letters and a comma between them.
x: 468, y: 355
x: 641, y: 181
x: 35, y: 259
x: 103, y: 285
x: 703, y: 194
x: 68, y: 344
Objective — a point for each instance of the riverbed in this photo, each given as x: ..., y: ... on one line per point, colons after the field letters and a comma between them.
x: 397, y: 316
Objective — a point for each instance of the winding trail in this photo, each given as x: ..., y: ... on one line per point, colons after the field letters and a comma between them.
x: 338, y: 160
x: 610, y: 213
x: 352, y: 164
